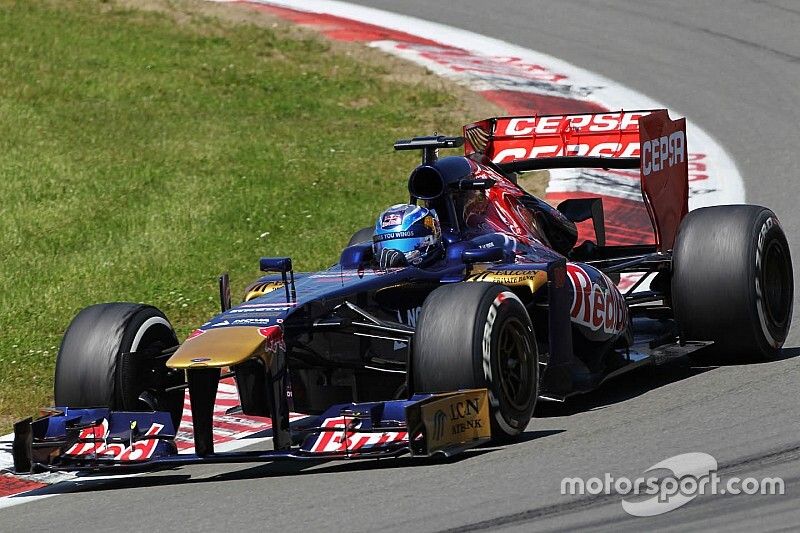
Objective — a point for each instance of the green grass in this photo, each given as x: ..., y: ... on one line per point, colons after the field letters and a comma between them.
x: 140, y: 157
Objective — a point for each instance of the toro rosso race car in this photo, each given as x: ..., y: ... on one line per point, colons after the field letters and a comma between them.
x: 392, y: 355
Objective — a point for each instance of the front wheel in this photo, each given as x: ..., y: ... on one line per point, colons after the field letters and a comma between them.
x: 110, y: 357
x: 479, y: 335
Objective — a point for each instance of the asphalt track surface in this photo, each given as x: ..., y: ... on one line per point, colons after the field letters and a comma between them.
x: 734, y: 68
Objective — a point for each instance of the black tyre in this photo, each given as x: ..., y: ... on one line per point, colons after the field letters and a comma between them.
x: 362, y: 235
x: 732, y: 280
x: 479, y: 335
x: 91, y: 370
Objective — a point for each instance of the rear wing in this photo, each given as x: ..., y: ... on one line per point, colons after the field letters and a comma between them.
x: 645, y: 139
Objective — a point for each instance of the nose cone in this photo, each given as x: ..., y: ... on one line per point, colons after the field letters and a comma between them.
x: 226, y: 346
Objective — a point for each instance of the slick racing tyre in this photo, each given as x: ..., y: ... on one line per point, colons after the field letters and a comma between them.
x: 362, y: 235
x: 732, y: 280
x: 479, y: 335
x: 109, y: 358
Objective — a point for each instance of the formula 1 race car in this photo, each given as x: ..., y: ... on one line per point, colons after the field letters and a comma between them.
x: 435, y: 359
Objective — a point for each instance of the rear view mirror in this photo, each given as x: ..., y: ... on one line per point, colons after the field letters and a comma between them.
x: 275, y: 264
x: 483, y: 255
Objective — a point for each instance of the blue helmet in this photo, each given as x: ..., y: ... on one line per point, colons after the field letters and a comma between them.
x: 407, y: 234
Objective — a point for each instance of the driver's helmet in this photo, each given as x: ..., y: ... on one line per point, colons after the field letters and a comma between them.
x: 407, y: 234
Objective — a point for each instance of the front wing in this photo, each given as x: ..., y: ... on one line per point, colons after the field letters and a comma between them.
x: 99, y: 439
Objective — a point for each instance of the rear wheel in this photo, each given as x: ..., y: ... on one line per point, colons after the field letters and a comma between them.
x: 109, y: 357
x: 732, y: 280
x: 479, y: 335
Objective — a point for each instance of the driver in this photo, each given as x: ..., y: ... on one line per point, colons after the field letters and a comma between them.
x: 407, y: 234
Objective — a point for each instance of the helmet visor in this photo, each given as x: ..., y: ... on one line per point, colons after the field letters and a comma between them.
x: 403, y: 245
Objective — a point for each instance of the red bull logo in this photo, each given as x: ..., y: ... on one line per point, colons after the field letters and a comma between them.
x: 595, y: 306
